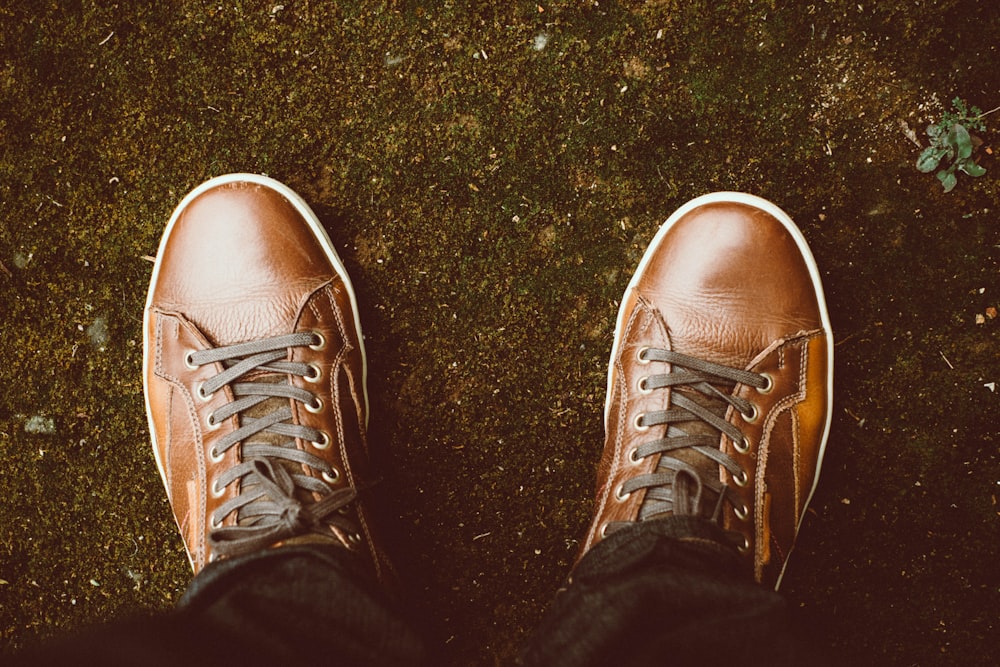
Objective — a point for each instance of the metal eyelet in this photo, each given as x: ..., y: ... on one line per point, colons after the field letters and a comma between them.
x: 752, y: 416
x: 323, y: 443
x: 211, y: 424
x: 640, y: 427
x: 217, y: 491
x: 202, y: 394
x: 766, y: 389
x: 620, y: 494
x: 314, y: 406
x: 332, y: 476
x: 642, y: 386
x: 216, y: 457
x: 633, y: 455
x: 321, y: 341
x: 604, y: 530
x: 742, y: 445
x: 744, y: 546
x: 639, y: 355
x: 314, y: 375
x: 189, y: 361
x: 741, y: 512
x: 216, y: 522
x: 741, y: 479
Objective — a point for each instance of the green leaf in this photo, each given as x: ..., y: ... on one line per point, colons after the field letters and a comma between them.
x: 959, y: 138
x: 929, y: 159
x: 934, y: 131
x: 971, y: 168
x: 948, y: 180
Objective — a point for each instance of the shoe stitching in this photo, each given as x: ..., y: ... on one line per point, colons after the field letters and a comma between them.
x: 786, y: 404
x: 164, y: 320
x: 622, y: 400
x: 340, y: 366
x: 337, y: 366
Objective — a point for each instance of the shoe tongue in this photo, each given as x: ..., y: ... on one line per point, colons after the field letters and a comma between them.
x: 259, y: 411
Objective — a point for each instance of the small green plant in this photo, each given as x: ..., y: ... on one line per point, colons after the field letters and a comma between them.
x: 952, y: 142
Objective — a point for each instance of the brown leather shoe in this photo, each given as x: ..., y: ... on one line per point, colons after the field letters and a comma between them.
x: 254, y: 370
x: 720, y: 381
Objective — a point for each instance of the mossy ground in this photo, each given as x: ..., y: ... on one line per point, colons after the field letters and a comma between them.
x: 491, y: 173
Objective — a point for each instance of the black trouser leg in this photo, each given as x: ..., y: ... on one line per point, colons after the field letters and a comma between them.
x: 665, y: 592
x: 294, y: 605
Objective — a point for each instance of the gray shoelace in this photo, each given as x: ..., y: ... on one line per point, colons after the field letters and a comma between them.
x: 276, y: 500
x: 683, y: 475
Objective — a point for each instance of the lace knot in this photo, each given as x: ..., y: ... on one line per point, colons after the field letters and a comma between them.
x: 277, y: 499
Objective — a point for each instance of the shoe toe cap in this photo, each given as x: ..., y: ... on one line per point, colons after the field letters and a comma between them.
x: 731, y: 272
x: 238, y: 260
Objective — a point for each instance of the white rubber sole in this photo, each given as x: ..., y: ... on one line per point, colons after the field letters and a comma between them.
x: 317, y: 228
x: 800, y: 241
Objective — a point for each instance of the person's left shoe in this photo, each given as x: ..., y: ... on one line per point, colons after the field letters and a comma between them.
x: 254, y: 373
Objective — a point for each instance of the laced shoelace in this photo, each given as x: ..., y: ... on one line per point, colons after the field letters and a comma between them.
x: 275, y: 501
x: 677, y: 486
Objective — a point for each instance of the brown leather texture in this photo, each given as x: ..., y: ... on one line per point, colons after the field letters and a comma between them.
x: 240, y: 262
x: 727, y: 283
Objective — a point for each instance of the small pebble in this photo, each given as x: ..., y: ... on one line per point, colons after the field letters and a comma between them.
x: 98, y: 334
x: 40, y: 424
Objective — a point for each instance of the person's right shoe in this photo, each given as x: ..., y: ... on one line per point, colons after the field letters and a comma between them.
x: 720, y: 381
